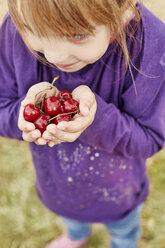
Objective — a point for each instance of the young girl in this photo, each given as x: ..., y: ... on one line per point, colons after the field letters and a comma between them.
x: 110, y: 54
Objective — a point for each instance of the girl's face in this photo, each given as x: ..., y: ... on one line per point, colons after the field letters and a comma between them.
x: 71, y: 54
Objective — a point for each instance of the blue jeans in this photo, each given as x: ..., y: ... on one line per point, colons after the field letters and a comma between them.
x: 125, y: 233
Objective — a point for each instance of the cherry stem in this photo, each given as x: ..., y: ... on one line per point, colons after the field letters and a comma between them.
x: 41, y: 111
x: 75, y: 112
x: 42, y: 102
x: 46, y: 90
x: 35, y: 99
x: 56, y: 78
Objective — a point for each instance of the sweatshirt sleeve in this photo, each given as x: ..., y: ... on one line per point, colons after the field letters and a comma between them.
x: 137, y: 128
x: 121, y: 132
x: 9, y: 99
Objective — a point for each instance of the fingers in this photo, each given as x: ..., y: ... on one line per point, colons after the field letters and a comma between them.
x: 84, y: 96
x: 39, y: 87
x: 24, y: 125
x: 64, y: 131
x: 77, y: 125
x: 40, y: 141
x: 64, y: 137
x: 59, y: 136
x: 31, y: 136
x: 84, y: 109
x: 37, y: 91
x: 51, y: 143
x: 27, y: 100
x: 86, y: 104
x: 52, y: 134
x: 79, y: 122
x: 29, y: 132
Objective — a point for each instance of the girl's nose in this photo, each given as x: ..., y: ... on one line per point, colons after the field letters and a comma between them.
x: 56, y: 57
x: 57, y: 54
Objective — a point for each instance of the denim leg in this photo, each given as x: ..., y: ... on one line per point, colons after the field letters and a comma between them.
x: 126, y: 233
x: 77, y: 230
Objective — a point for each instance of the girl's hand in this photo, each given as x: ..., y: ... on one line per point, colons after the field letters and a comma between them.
x: 29, y: 132
x: 70, y: 131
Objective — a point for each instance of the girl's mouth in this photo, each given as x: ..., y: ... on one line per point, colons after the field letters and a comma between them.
x: 65, y: 66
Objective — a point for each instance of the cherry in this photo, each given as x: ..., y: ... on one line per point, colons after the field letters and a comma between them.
x: 53, y: 109
x: 41, y: 122
x: 62, y: 109
x: 52, y: 105
x: 31, y: 112
x: 60, y: 118
x: 71, y: 105
x: 64, y: 95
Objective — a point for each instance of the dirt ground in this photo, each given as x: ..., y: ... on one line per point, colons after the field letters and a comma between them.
x: 156, y: 6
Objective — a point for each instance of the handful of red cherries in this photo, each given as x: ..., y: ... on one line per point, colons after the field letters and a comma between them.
x: 52, y: 109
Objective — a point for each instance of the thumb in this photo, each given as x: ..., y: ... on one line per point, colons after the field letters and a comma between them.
x: 27, y: 100
x: 85, y: 97
x: 84, y: 108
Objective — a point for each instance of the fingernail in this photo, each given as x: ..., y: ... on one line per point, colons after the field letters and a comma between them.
x: 51, y: 144
x: 42, y: 141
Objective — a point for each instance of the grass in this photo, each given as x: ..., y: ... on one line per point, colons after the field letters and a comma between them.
x: 26, y: 223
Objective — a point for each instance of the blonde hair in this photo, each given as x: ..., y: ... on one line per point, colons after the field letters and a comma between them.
x: 69, y: 17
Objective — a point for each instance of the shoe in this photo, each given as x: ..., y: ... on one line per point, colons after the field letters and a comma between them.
x: 64, y: 241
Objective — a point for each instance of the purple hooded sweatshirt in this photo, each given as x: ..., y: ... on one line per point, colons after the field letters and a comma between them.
x: 101, y: 177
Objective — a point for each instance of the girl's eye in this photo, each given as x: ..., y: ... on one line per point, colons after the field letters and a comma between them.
x: 79, y: 36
